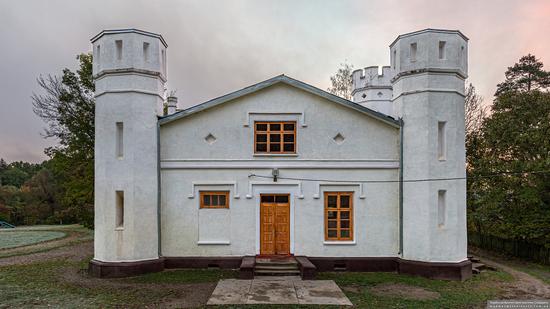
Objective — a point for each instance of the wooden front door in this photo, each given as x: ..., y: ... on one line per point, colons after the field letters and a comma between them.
x: 274, y: 224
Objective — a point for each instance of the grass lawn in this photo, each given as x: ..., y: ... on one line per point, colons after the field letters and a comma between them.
x: 14, y: 238
x: 56, y: 276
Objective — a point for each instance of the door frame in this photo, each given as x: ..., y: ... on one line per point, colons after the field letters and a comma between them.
x: 261, y: 225
x: 268, y: 188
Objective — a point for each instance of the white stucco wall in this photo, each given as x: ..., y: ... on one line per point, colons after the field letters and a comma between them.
x: 190, y: 164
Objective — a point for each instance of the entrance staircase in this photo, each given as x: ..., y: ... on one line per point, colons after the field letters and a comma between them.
x: 276, y: 266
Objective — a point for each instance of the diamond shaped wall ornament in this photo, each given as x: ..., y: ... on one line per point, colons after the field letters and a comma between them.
x: 339, y: 138
x: 364, y: 95
x: 210, y: 139
x: 379, y: 93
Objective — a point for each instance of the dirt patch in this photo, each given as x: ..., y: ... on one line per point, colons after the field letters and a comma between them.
x: 403, y: 291
x: 178, y: 295
x: 354, y: 288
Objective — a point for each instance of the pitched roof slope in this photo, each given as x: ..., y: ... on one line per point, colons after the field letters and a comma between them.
x: 270, y: 82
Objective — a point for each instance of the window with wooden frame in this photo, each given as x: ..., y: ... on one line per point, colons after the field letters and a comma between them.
x: 214, y: 199
x: 338, y: 216
x: 275, y: 137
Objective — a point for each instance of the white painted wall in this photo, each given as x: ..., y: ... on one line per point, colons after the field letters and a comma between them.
x: 369, y: 151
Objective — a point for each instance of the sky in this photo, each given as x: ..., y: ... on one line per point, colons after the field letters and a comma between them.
x: 216, y: 47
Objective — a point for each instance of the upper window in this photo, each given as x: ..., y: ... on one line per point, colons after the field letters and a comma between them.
x: 338, y: 215
x: 214, y: 199
x: 275, y: 137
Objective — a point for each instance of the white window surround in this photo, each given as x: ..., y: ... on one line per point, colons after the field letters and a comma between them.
x: 194, y: 185
x: 340, y: 243
x: 251, y: 185
x: 361, y: 185
x: 299, y: 117
x: 214, y: 242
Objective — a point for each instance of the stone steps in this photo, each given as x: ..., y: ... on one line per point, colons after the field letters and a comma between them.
x: 276, y: 267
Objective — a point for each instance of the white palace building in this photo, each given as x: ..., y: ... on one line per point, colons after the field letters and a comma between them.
x: 282, y: 170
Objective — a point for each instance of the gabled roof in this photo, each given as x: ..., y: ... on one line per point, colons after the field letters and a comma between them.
x: 270, y: 82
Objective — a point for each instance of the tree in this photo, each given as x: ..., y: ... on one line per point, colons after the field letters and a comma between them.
x: 475, y: 112
x: 526, y: 75
x: 67, y: 106
x: 342, y: 82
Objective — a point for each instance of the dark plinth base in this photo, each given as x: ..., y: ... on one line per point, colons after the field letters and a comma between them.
x: 124, y: 269
x: 308, y: 266
x: 447, y: 271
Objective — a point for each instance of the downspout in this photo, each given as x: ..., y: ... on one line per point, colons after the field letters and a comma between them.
x: 158, y: 191
x: 401, y: 123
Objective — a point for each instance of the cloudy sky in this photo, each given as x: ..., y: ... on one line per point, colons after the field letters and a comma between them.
x: 216, y: 47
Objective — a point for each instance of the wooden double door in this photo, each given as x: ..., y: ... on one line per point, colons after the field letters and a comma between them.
x: 274, y: 224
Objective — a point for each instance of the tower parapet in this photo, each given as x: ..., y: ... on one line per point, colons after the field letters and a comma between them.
x: 372, y: 88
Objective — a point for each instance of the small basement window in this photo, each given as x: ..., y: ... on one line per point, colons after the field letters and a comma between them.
x: 275, y: 137
x: 214, y: 199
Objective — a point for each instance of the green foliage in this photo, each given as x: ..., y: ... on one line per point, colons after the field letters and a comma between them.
x: 526, y: 75
x: 341, y: 81
x: 514, y: 138
x: 68, y: 108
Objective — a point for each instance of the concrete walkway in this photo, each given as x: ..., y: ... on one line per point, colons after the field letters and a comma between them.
x: 278, y: 290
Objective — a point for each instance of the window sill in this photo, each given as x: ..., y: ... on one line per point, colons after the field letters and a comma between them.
x: 213, y: 242
x: 275, y: 155
x: 119, y: 228
x: 340, y: 243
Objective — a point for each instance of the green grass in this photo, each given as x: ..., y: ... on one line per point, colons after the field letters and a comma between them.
x: 453, y: 294
x: 16, y: 238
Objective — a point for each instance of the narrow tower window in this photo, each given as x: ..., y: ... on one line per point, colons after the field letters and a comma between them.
x: 118, y: 44
x: 394, y: 58
x: 163, y: 61
x: 442, y: 49
x: 441, y: 141
x: 441, y: 207
x: 145, y: 51
x: 119, y: 140
x: 119, y: 209
x: 98, y: 56
x: 413, y: 52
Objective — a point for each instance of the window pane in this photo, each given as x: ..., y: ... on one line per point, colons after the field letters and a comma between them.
x: 206, y: 200
x: 289, y: 147
x: 331, y: 201
x: 332, y: 234
x: 261, y: 147
x: 281, y: 198
x: 261, y: 126
x: 344, y: 233
x: 288, y: 127
x: 344, y: 224
x: 344, y: 215
x: 275, y: 126
x: 289, y: 138
x: 275, y: 138
x: 261, y: 138
x: 332, y: 214
x: 332, y: 224
x: 275, y: 147
x: 268, y: 198
x: 344, y: 201
x: 214, y: 200
x: 222, y: 200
